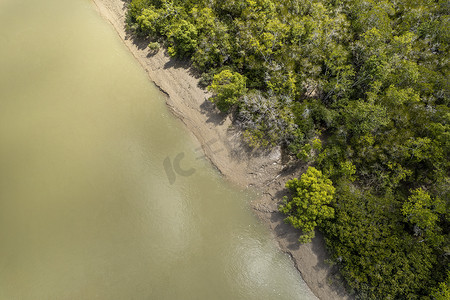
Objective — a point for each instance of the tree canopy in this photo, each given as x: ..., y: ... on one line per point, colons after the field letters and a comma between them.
x: 227, y: 87
x: 309, y: 206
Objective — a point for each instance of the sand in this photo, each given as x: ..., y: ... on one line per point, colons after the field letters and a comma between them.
x: 266, y: 172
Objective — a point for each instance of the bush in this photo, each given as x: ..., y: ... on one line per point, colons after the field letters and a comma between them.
x: 309, y: 206
x: 227, y: 87
x: 154, y: 46
x: 266, y: 120
x: 182, y: 38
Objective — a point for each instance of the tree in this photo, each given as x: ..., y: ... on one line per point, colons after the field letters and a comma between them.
x: 379, y: 259
x: 442, y: 291
x: 266, y: 120
x: 183, y: 39
x: 309, y: 206
x: 423, y: 211
x: 135, y: 9
x: 227, y: 87
x: 364, y: 117
x: 148, y: 21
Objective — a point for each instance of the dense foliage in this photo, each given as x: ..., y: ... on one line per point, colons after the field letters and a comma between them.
x: 310, y: 205
x: 370, y: 79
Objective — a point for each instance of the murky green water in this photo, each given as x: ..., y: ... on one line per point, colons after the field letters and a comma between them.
x: 86, y: 207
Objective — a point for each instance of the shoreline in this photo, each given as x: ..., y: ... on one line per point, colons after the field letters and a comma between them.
x: 224, y: 148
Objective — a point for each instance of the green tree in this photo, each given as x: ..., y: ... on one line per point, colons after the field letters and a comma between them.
x: 379, y: 259
x: 364, y: 117
x: 148, y: 21
x: 135, y: 9
x: 214, y: 44
x: 309, y: 206
x: 442, y: 291
x: 423, y: 211
x: 182, y: 38
x: 227, y: 88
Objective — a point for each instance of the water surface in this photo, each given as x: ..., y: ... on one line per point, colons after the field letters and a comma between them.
x: 87, y: 210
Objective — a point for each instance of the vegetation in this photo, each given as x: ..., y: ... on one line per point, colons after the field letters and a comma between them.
x: 227, y: 87
x: 357, y: 88
x: 310, y: 205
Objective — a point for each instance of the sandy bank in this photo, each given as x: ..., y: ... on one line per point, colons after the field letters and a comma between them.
x: 264, y: 171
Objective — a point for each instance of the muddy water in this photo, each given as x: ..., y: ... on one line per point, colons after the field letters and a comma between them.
x: 102, y: 192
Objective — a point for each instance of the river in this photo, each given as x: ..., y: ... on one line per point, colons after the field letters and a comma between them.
x: 103, y: 193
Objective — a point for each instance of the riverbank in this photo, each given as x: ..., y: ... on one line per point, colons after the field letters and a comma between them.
x: 266, y: 172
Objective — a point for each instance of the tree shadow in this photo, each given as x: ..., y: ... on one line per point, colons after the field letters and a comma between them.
x: 334, y: 278
x: 214, y: 115
x: 152, y: 53
x: 177, y: 63
x: 140, y: 42
x: 242, y: 151
x: 285, y: 231
x: 293, y: 167
x: 125, y: 4
x: 239, y: 149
